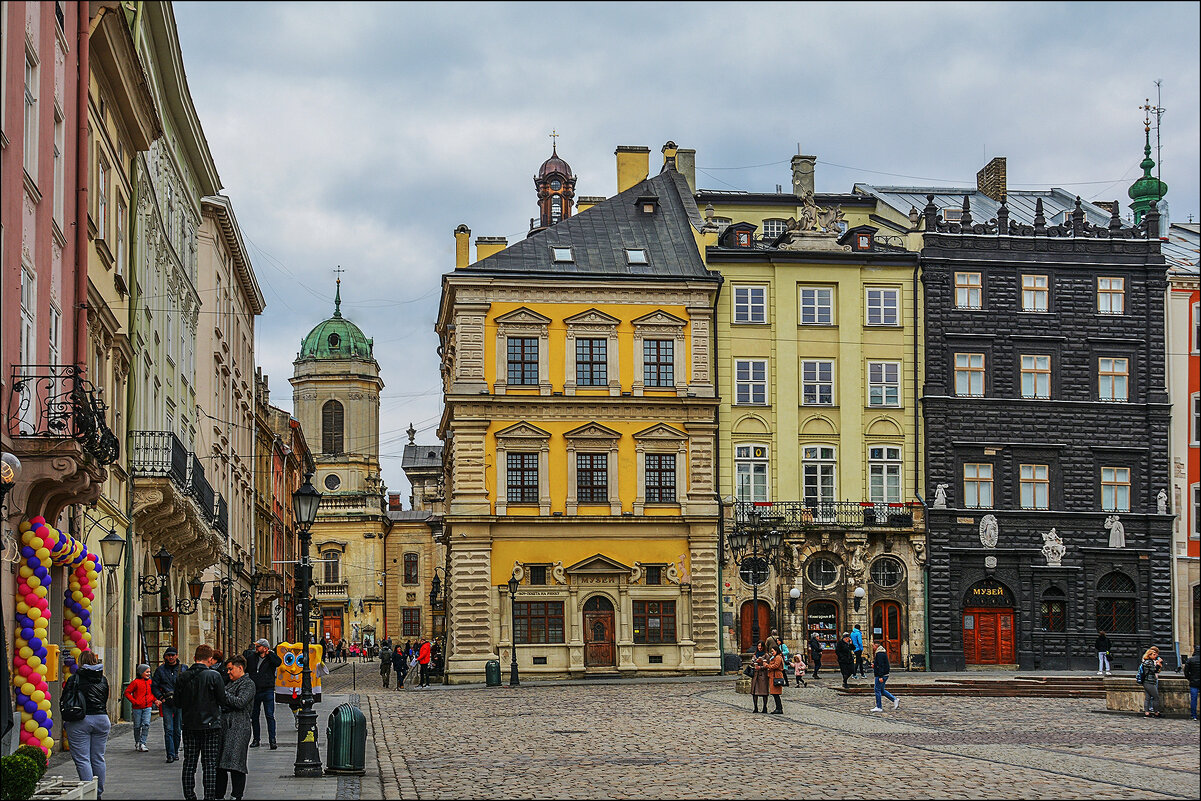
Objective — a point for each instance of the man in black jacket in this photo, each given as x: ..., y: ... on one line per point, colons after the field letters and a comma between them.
x: 1102, y: 648
x: 200, y: 695
x: 261, y: 663
x: 162, y: 684
x: 880, y: 669
x: 1192, y: 672
x: 844, y: 650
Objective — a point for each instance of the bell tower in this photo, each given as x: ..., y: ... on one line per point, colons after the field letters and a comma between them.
x: 556, y: 188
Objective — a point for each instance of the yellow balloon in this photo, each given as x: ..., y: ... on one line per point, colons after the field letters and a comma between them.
x: 35, y: 615
x: 25, y: 526
x: 37, y: 695
x: 76, y: 622
x: 77, y: 596
x: 87, y: 636
x: 89, y: 565
x: 28, y: 688
x: 86, y: 603
x: 36, y: 542
x: 40, y: 624
x: 44, y: 705
x: 43, y: 554
x: 34, y: 661
x: 22, y: 608
x: 25, y: 571
x: 40, y: 592
x: 31, y: 725
x: 33, y: 581
x: 41, y: 733
x: 25, y: 653
x: 48, y: 744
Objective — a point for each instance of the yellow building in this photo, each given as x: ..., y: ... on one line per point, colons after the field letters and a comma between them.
x: 580, y: 423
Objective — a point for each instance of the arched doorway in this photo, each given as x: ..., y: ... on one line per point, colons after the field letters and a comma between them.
x: 886, y: 626
x: 821, y: 618
x: 746, y: 620
x: 988, y: 626
x: 600, y: 648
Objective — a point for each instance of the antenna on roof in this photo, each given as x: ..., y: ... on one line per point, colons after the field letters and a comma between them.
x: 1159, y: 110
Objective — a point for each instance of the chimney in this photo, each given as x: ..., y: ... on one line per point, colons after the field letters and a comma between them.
x: 486, y: 246
x: 587, y: 202
x: 990, y: 181
x: 394, y: 502
x: 802, y: 175
x: 686, y: 164
x: 633, y: 165
x: 462, y: 246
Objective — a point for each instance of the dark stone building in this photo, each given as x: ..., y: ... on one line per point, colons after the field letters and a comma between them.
x: 1046, y: 428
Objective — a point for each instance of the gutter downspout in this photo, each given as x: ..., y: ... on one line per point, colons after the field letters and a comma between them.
x: 130, y: 405
x: 721, y: 509
x: 917, y: 460
x: 81, y: 187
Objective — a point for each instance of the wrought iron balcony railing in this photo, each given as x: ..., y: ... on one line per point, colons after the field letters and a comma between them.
x: 55, y: 401
x: 200, y: 489
x: 221, y: 519
x: 846, y: 514
x: 160, y: 454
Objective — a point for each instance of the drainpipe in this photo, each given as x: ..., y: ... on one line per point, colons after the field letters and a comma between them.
x: 81, y: 187
x: 721, y: 508
x: 917, y: 461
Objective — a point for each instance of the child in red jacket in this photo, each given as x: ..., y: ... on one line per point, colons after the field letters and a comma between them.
x: 139, y: 694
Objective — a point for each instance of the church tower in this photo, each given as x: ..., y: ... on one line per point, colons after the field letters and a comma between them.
x: 556, y: 189
x: 1147, y: 191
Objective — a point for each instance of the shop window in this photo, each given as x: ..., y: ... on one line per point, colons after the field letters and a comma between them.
x: 538, y: 622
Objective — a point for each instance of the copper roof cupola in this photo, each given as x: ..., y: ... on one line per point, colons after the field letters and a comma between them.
x: 556, y: 189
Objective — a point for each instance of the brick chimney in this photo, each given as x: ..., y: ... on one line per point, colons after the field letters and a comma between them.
x: 393, y: 501
x: 990, y: 180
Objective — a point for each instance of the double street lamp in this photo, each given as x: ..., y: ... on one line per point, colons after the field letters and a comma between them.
x: 514, y: 679
x: 754, y: 544
x: 305, y: 501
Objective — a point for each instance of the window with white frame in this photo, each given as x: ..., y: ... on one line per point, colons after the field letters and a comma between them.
x: 883, y: 383
x: 56, y: 337
x: 29, y: 315
x: 773, y: 228
x: 102, y: 181
x: 1195, y: 511
x: 883, y: 306
x: 750, y: 381
x: 119, y: 238
x: 967, y: 291
x: 817, y: 305
x: 1113, y: 378
x: 1196, y: 327
x: 750, y: 304
x: 1111, y: 295
x: 817, y: 383
x: 1115, y: 489
x: 751, y: 472
x: 977, y: 485
x: 969, y: 375
x: 1036, y: 376
x: 1195, y: 404
x: 819, y: 471
x: 1035, y: 293
x: 31, y: 116
x: 884, y: 474
x: 60, y: 172
x: 1035, y: 487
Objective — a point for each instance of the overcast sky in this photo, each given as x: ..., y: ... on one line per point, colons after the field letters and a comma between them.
x: 360, y: 135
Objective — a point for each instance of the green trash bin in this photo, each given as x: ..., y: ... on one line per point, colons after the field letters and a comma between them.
x: 346, y: 741
x: 492, y: 673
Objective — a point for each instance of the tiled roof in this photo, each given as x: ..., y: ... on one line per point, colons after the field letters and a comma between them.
x: 409, y: 515
x: 421, y: 456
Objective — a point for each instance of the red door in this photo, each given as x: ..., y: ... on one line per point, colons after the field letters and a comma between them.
x: 600, y: 648
x: 988, y: 637
x: 746, y: 620
x: 886, y: 625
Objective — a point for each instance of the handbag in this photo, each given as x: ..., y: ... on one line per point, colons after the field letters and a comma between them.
x: 748, y: 671
x: 778, y: 682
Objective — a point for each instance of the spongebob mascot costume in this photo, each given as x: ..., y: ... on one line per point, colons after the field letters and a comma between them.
x: 289, y: 675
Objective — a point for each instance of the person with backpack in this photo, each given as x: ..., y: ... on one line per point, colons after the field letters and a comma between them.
x: 84, y: 708
x: 141, y: 697
x: 162, y: 685
x: 200, y: 695
x: 857, y: 644
x: 784, y: 654
x: 1148, y: 676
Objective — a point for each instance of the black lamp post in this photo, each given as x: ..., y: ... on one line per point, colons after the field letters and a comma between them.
x: 156, y: 584
x: 305, y: 501
x: 514, y: 679
x: 756, y: 534
x: 189, y: 605
x: 112, y: 548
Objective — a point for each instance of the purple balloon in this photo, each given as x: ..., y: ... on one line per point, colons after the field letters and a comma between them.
x: 41, y: 572
x: 27, y: 551
x: 34, y: 643
x: 27, y: 634
x: 31, y: 706
x: 33, y: 562
x: 40, y: 716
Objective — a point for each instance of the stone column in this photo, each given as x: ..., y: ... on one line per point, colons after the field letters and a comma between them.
x: 625, y: 629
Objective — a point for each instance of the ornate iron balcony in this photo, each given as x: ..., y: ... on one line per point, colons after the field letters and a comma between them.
x: 221, y: 519
x: 55, y: 401
x: 846, y: 514
x: 200, y: 489
x: 160, y: 454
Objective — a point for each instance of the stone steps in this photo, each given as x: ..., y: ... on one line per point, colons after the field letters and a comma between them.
x: 1032, y: 687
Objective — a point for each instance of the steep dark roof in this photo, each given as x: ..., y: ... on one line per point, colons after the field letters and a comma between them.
x: 401, y: 515
x: 421, y: 456
x: 600, y: 235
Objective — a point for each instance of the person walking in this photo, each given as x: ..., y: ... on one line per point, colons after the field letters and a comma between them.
x: 162, y: 685
x: 1192, y: 672
x: 385, y: 662
x: 775, y: 685
x: 235, y: 729
x: 399, y: 666
x: 140, y: 695
x: 88, y: 737
x: 200, y: 695
x: 783, y: 647
x: 798, y: 669
x: 760, y: 681
x: 880, y: 669
x: 261, y: 664
x: 815, y: 653
x: 1102, y: 648
x: 423, y: 658
x: 1148, y: 676
x: 857, y: 644
x: 844, y: 651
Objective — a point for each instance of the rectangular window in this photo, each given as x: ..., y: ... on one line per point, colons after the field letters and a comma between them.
x: 1113, y: 378
x: 883, y: 306
x: 817, y: 383
x: 1111, y: 295
x: 411, y: 572
x: 538, y: 575
x: 592, y: 362
x: 331, y: 559
x: 817, y: 306
x: 102, y: 180
x: 654, y: 622
x: 750, y: 472
x: 1196, y: 420
x: 1036, y: 376
x: 1034, y: 293
x: 750, y: 381
x: 636, y: 256
x: 818, y: 471
x: 977, y: 485
x: 521, y: 477
x: 1115, y: 489
x: 773, y: 228
x: 884, y: 474
x: 592, y: 477
x: 31, y: 117
x: 562, y: 254
x: 969, y: 375
x: 29, y: 316
x: 523, y: 360
x: 60, y: 173
x: 658, y: 367
x: 660, y: 478
x: 750, y: 304
x: 967, y: 291
x: 119, y: 250
x: 56, y: 340
x: 410, y: 625
x: 537, y: 622
x: 1035, y: 487
x: 653, y: 576
x: 883, y: 384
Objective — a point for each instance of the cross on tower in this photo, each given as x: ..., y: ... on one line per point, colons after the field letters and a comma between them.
x: 553, y: 136
x: 338, y: 271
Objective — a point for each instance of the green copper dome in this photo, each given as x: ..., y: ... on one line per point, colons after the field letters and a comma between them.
x: 336, y: 338
x: 1147, y: 190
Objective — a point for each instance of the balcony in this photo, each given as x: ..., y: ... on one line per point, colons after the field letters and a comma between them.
x: 221, y: 518
x: 337, y: 592
x: 174, y: 505
x: 799, y: 515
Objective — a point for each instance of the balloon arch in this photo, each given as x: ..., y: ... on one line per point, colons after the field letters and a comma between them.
x: 44, y: 547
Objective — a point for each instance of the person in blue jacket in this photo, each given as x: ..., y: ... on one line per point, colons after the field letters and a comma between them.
x: 857, y: 644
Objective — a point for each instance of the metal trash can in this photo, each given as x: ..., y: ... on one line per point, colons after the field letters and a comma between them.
x: 492, y: 673
x: 346, y: 741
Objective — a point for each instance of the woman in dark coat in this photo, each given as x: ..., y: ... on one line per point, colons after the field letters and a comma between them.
x: 844, y: 650
x: 235, y: 729
x: 760, y: 682
x: 775, y: 670
x: 815, y: 653
x: 400, y: 664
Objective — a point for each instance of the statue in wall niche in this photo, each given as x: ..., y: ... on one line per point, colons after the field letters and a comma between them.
x: 1053, y: 548
x: 1161, y: 502
x: 989, y: 531
x: 856, y: 564
x: 940, y: 496
x: 682, y: 569
x: 1117, y: 532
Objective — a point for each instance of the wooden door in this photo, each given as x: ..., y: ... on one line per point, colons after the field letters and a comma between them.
x: 886, y: 625
x: 600, y: 644
x: 1005, y: 639
x: 988, y: 637
x: 333, y: 628
x: 746, y: 624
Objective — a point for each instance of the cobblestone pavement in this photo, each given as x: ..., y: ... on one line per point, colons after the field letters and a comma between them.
x: 700, y: 740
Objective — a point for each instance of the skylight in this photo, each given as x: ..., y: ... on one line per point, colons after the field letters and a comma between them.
x: 636, y: 256
x: 562, y: 254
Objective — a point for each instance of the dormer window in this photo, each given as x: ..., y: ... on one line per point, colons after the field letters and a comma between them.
x: 636, y: 256
x: 334, y: 341
x: 647, y: 203
x: 562, y: 255
x: 744, y: 239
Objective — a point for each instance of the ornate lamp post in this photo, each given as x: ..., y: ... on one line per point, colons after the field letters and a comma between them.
x: 156, y: 584
x: 759, y: 536
x: 514, y: 679
x: 189, y: 605
x: 112, y: 548
x: 308, y: 759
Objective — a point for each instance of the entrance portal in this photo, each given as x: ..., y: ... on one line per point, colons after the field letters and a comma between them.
x: 886, y: 625
x: 821, y: 618
x: 988, y: 631
x: 746, y: 621
x: 600, y: 645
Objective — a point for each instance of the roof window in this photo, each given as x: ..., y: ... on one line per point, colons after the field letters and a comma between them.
x: 561, y: 254
x: 636, y: 256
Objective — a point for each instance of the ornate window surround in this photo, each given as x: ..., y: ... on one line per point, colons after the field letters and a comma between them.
x: 593, y: 324
x: 593, y: 438
x: 522, y: 437
x: 661, y: 438
x: 522, y: 322
x: 660, y: 325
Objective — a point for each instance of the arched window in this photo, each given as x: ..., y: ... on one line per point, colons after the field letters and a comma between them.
x: 333, y: 565
x: 331, y: 427
x: 410, y: 574
x: 887, y: 572
x: 1053, y: 610
x: 1116, y: 609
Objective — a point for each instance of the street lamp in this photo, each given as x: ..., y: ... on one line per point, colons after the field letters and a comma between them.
x: 860, y: 594
x: 514, y: 679
x: 793, y: 596
x: 156, y: 584
x: 305, y: 501
x: 189, y: 605
x: 758, y: 534
x: 111, y: 549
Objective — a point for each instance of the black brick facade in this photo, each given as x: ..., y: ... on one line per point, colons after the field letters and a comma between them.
x: 1073, y: 433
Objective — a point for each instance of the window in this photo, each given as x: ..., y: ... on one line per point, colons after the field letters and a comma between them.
x: 60, y: 177
x: 1196, y: 419
x: 657, y: 363
x: 523, y: 360
x: 521, y: 477
x: 1035, y: 487
x: 660, y: 478
x: 102, y: 182
x: 331, y: 426
x: 1111, y: 295
x: 653, y: 575
x: 1052, y: 612
x: 822, y: 572
x: 1115, y: 489
x: 410, y: 622
x: 332, y: 482
x: 636, y: 256
x: 883, y: 306
x: 119, y: 241
x: 537, y: 622
x: 562, y: 254
x: 967, y: 291
x: 592, y: 477
x: 56, y: 340
x: 750, y: 381
x: 977, y: 485
x: 773, y: 228
x: 592, y: 362
x: 31, y: 117
x: 28, y: 343
x: 750, y: 304
x: 1113, y: 379
x: 753, y: 571
x: 654, y: 621
x: 556, y: 184
x: 538, y: 575
x: 333, y: 563
x: 410, y: 568
x: 884, y: 474
x: 750, y: 472
x: 817, y: 474
x: 817, y: 306
x: 556, y: 211
x: 1034, y: 293
x: 887, y: 572
x: 1036, y: 376
x: 721, y: 222
x: 1116, y: 604
x: 883, y: 384
x: 817, y: 383
x: 969, y: 375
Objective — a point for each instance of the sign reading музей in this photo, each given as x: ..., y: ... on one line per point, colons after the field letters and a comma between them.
x: 988, y: 593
